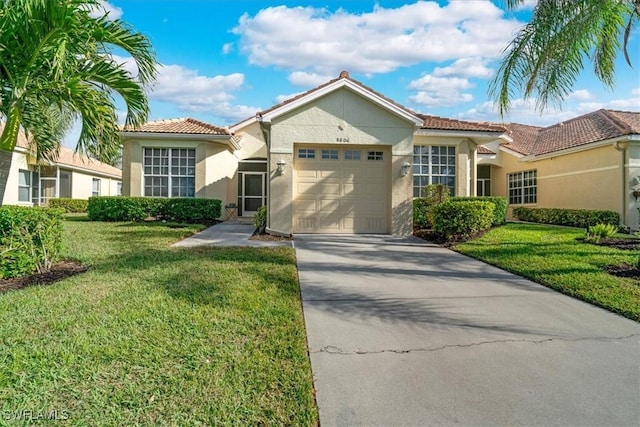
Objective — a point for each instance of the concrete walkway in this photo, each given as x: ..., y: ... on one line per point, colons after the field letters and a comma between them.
x: 406, y: 333
x: 228, y: 234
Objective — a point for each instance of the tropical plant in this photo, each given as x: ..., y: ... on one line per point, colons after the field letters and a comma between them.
x: 547, y: 55
x: 600, y: 231
x: 57, y: 66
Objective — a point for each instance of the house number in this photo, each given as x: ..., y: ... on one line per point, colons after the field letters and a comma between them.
x: 342, y: 139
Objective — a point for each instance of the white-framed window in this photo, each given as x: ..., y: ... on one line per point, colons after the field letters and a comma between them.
x: 95, y: 187
x: 24, y: 185
x: 330, y: 154
x: 523, y: 187
x: 352, y: 154
x: 169, y: 172
x: 433, y: 164
x: 375, y: 155
x: 306, y: 153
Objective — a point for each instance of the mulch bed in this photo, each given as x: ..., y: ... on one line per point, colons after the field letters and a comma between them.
x: 623, y: 270
x: 268, y: 237
x: 614, y: 242
x: 58, y: 272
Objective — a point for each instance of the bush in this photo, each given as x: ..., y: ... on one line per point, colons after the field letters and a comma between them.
x: 434, y: 194
x: 189, y: 210
x: 260, y: 220
x: 462, y: 219
x: 499, y: 206
x: 30, y: 240
x: 581, y: 218
x: 119, y: 208
x: 601, y: 231
x: 69, y: 205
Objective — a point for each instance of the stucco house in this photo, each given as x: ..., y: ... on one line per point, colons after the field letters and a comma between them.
x: 71, y: 175
x: 343, y: 158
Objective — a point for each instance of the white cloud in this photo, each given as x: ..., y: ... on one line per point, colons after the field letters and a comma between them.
x: 636, y: 91
x: 105, y: 7
x: 580, y: 95
x: 281, y: 98
x: 227, y: 48
x: 527, y: 5
x: 521, y: 111
x: 304, y: 79
x: 440, y: 91
x: 466, y: 67
x: 324, y: 42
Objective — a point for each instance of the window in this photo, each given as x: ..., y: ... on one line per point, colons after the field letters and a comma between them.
x: 375, y: 155
x: 306, y: 153
x: 24, y: 186
x: 483, y: 187
x: 330, y: 154
x: 433, y: 165
x: 352, y: 155
x: 118, y: 189
x: 523, y: 187
x: 169, y: 172
x: 95, y: 187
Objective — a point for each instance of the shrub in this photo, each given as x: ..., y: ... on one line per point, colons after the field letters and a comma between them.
x: 191, y: 210
x: 260, y: 220
x: 581, y: 218
x: 434, y: 194
x: 601, y: 231
x: 69, y: 205
x: 119, y: 208
x: 30, y: 239
x: 499, y: 206
x: 462, y: 219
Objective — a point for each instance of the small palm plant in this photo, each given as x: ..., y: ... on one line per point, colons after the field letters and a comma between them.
x: 601, y: 231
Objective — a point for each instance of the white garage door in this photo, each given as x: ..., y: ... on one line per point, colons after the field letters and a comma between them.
x: 342, y: 189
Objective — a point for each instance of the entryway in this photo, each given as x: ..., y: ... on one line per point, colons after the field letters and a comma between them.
x: 252, y: 186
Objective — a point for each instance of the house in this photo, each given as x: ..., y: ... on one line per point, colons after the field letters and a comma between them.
x: 589, y: 162
x: 339, y: 158
x: 70, y: 175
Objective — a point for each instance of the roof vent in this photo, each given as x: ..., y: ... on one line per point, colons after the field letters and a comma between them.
x: 344, y: 75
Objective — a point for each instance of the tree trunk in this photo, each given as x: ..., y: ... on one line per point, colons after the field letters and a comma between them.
x: 5, y: 166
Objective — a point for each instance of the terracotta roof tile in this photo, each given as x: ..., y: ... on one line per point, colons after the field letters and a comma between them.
x: 441, y: 123
x: 582, y: 130
x: 182, y: 126
x: 484, y: 150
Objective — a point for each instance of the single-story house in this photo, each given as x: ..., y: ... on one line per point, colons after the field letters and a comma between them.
x: 70, y: 175
x: 343, y: 158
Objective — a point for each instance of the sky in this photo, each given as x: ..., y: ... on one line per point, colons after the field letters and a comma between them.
x: 223, y: 60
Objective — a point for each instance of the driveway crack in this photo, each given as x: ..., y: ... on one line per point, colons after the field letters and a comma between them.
x: 330, y: 349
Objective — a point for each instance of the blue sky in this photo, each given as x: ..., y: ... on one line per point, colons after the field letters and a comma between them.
x: 225, y: 60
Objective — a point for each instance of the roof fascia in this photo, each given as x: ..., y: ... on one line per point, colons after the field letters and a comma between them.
x: 590, y: 146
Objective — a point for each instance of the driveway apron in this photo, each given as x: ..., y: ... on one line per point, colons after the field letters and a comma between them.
x: 406, y: 333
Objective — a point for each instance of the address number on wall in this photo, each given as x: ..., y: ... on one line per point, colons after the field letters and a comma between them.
x: 342, y: 139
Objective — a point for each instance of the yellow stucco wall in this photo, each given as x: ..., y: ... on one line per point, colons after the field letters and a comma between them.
x: 345, y: 118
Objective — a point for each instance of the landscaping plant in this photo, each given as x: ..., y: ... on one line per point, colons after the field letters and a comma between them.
x: 260, y: 220
x: 600, y: 231
x: 423, y: 207
x: 463, y: 219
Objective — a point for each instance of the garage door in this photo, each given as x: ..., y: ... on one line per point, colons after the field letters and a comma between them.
x: 342, y: 189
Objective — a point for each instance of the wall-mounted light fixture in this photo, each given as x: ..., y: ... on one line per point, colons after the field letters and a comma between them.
x: 281, y: 166
x: 406, y: 167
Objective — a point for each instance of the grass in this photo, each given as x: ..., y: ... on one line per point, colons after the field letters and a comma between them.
x: 155, y: 335
x: 552, y: 256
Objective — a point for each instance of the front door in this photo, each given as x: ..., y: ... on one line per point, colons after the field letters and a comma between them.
x: 252, y: 196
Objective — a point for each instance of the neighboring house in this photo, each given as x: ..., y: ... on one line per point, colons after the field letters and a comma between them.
x: 340, y: 158
x: 589, y: 162
x: 71, y: 175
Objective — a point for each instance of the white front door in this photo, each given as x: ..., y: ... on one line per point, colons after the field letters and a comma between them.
x: 253, y: 194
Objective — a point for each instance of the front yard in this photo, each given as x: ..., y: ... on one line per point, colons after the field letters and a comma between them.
x: 552, y: 256
x: 154, y: 335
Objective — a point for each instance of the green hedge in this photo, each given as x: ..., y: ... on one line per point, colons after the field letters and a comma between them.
x: 420, y: 209
x: 434, y: 194
x: 462, y: 219
x: 69, y: 205
x: 581, y: 218
x: 120, y: 208
x: 30, y: 239
x: 499, y: 206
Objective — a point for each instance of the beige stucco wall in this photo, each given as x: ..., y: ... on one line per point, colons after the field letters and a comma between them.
x: 632, y: 171
x: 590, y: 179
x: 346, y: 118
x: 82, y: 185
x: 11, y: 192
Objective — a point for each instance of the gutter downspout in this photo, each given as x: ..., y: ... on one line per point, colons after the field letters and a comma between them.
x: 622, y: 148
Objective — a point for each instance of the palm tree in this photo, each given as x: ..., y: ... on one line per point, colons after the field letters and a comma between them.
x: 547, y: 55
x: 56, y: 66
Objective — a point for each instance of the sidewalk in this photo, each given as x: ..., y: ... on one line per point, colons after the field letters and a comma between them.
x: 228, y: 234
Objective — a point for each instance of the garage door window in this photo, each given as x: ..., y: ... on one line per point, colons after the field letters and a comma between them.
x: 330, y: 154
x: 352, y: 155
x: 375, y: 155
x: 306, y: 153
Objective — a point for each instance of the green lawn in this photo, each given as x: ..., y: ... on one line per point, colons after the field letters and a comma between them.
x: 552, y: 256
x: 154, y: 335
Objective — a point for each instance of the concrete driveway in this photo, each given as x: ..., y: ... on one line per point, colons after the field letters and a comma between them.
x: 406, y: 333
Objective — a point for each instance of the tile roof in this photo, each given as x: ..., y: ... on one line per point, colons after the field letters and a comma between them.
x: 69, y: 157
x: 484, y: 150
x: 184, y: 125
x: 442, y: 123
x: 596, y: 126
